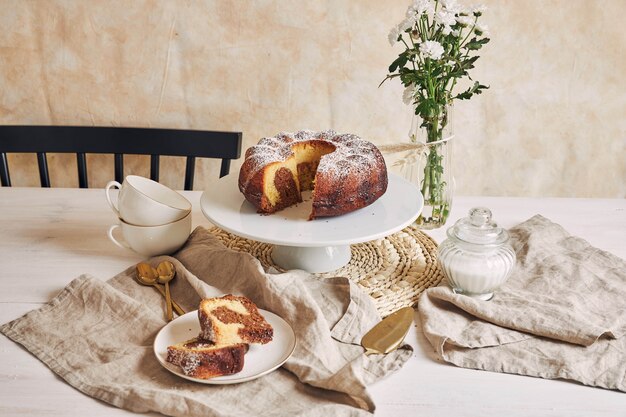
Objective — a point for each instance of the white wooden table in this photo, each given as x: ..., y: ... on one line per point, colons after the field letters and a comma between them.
x: 50, y: 236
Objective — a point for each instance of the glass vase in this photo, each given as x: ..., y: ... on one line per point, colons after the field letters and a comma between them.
x: 430, y: 167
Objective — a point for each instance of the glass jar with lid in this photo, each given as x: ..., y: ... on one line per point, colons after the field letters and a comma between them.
x: 476, y: 258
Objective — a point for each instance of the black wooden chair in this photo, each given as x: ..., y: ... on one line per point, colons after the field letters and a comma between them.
x: 82, y: 140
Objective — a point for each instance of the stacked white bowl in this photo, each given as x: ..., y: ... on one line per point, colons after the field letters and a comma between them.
x: 154, y: 219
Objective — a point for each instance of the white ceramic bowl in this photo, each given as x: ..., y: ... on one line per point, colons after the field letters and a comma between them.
x: 143, y: 202
x: 153, y: 240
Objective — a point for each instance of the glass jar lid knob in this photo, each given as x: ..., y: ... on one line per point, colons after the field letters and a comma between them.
x: 480, y: 216
x: 479, y: 229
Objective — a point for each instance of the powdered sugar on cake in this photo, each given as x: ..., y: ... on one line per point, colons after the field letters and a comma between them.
x: 351, y: 151
x: 190, y: 364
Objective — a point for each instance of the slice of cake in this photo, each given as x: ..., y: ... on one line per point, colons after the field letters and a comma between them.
x: 227, y: 325
x: 201, y: 359
x: 232, y: 319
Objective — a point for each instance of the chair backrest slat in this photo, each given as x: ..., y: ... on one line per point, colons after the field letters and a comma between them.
x: 81, y: 161
x: 5, y: 178
x: 154, y: 167
x: 119, y: 167
x: 190, y: 168
x: 118, y: 141
x: 44, y: 176
x: 225, y: 167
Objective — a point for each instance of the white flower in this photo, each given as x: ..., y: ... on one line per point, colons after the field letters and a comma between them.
x: 420, y: 7
x: 481, y: 30
x: 445, y: 18
x: 465, y: 20
x: 408, y: 96
x: 446, y: 30
x: 406, y: 24
x: 450, y: 5
x: 393, y: 36
x: 431, y: 49
x: 478, y: 10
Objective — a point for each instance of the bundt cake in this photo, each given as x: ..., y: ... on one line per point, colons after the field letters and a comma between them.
x: 344, y: 171
x: 232, y: 319
x: 202, y: 359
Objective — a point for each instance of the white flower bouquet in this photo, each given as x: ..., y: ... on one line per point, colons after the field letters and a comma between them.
x: 440, y: 39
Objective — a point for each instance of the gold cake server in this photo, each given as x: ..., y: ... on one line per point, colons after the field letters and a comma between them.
x: 388, y: 335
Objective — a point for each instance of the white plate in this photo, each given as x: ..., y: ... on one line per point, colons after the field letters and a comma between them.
x: 260, y: 359
x: 226, y: 207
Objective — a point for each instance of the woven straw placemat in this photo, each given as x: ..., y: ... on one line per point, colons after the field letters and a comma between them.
x: 393, y: 271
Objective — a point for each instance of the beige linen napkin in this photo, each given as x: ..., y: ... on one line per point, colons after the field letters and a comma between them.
x: 98, y: 336
x: 561, y: 314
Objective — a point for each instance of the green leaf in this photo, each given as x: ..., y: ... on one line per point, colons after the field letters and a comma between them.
x: 475, y: 44
x: 457, y: 74
x: 422, y: 108
x: 408, y: 77
x: 469, y: 63
x: 437, y: 72
x: 474, y: 89
x: 399, y: 62
x: 467, y: 94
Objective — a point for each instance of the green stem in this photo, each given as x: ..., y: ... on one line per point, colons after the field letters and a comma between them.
x: 433, y: 186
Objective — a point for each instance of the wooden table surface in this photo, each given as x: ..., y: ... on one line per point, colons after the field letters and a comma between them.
x: 50, y: 236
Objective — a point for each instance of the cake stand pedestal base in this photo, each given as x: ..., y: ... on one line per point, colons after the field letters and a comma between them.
x: 311, y: 259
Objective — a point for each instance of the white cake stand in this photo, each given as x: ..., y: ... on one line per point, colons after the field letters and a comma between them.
x: 319, y: 245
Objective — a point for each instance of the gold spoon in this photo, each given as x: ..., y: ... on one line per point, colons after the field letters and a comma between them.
x: 146, y: 275
x: 166, y: 273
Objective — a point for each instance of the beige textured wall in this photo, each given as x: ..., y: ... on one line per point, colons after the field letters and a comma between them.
x: 552, y: 124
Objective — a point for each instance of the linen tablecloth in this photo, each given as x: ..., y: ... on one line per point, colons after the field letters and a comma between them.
x: 561, y: 314
x: 98, y: 336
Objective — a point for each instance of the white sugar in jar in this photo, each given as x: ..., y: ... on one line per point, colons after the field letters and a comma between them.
x: 476, y: 258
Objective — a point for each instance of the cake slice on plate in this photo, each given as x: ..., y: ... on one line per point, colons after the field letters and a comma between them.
x: 201, y: 359
x: 227, y: 325
x: 232, y: 319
